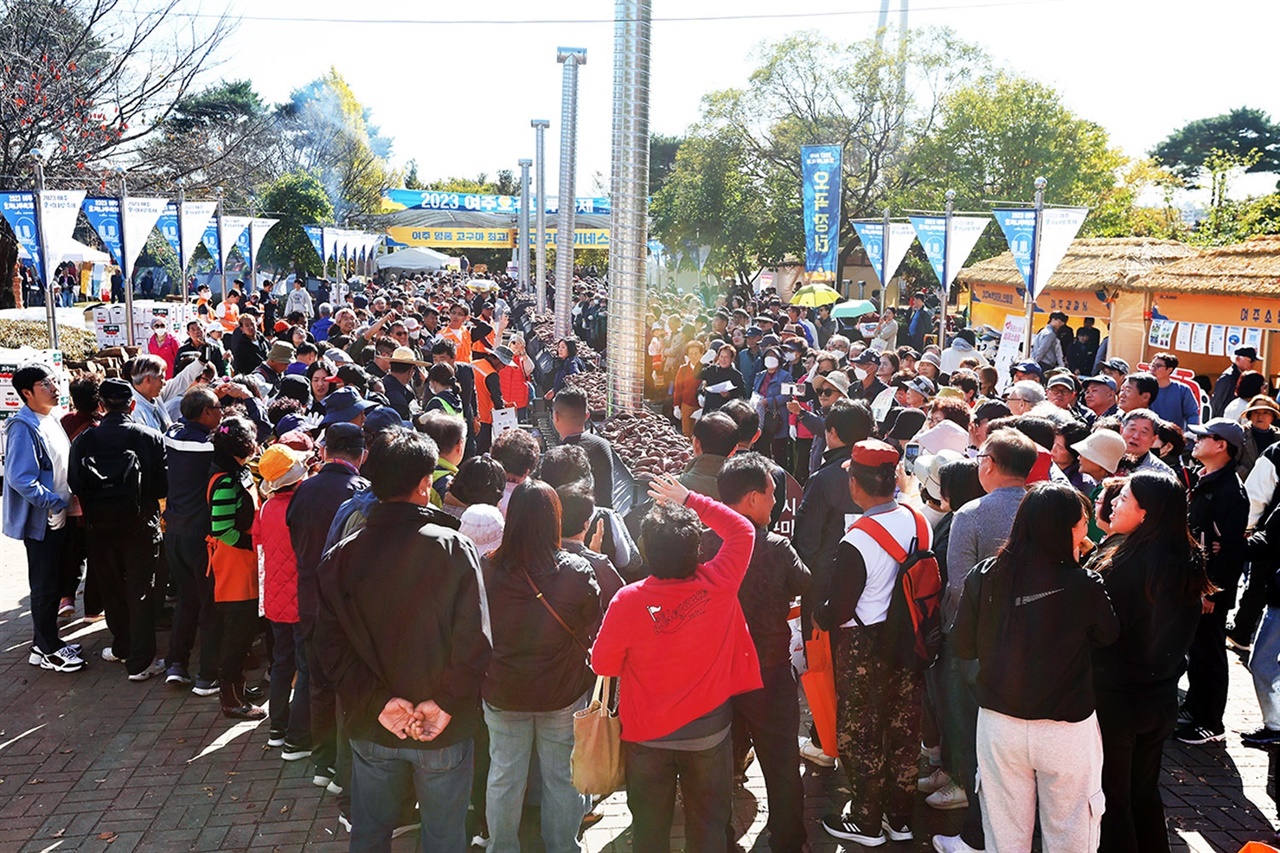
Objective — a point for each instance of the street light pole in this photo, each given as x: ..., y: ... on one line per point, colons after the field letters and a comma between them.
x: 1034, y: 288
x: 571, y: 58
x: 126, y: 268
x: 182, y: 260
x: 540, y: 126
x: 51, y: 316
x: 522, y: 254
x: 222, y: 267
x: 946, y: 269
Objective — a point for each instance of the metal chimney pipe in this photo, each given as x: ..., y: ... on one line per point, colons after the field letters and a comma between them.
x: 540, y: 126
x: 522, y: 253
x: 571, y: 58
x: 628, y: 222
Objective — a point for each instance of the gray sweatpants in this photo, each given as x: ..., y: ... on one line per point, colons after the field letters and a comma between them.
x: 1060, y: 763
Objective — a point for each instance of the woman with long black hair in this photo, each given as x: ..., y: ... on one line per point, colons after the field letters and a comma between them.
x: 544, y: 606
x: 1031, y: 616
x: 1155, y: 578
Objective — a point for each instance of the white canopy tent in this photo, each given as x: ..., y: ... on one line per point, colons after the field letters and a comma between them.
x: 78, y: 253
x: 414, y: 259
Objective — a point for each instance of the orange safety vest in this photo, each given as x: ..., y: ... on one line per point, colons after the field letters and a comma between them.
x: 228, y: 315
x: 484, y: 404
x: 461, y: 338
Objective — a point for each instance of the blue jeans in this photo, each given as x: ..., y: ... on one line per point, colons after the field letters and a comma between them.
x: 1264, y: 666
x: 289, y: 655
x: 512, y: 738
x: 380, y: 776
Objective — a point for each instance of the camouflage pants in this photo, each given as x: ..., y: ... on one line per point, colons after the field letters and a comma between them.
x: 877, y: 727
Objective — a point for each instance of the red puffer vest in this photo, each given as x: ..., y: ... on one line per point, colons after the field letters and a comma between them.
x: 280, y: 565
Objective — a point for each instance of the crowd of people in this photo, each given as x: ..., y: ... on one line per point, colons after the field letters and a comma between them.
x: 437, y: 591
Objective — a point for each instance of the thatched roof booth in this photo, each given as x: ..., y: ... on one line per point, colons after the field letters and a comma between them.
x: 1095, y: 263
x: 1099, y: 277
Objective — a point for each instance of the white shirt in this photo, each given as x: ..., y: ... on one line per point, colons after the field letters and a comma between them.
x: 882, y: 570
x: 55, y: 439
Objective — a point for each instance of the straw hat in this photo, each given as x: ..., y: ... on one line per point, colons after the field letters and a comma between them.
x: 1263, y: 403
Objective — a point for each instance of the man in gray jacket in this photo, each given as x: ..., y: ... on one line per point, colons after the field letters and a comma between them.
x: 977, y: 532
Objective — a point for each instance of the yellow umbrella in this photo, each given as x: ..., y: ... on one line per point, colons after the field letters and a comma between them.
x: 813, y: 295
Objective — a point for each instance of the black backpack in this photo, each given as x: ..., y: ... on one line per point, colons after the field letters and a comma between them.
x: 110, y: 487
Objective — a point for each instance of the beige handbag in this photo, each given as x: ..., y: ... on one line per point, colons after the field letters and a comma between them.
x: 597, y: 762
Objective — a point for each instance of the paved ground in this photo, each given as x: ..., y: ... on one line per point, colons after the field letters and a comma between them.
x: 90, y: 761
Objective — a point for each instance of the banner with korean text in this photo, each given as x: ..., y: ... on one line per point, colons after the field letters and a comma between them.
x: 820, y: 168
x: 947, y: 250
x: 873, y: 238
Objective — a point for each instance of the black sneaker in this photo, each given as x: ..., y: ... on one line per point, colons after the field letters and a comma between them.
x: 275, y: 738
x: 177, y: 675
x: 897, y: 830
x: 205, y: 687
x: 1197, y: 735
x: 845, y: 829
x: 294, y: 751
x: 1184, y: 717
x: 324, y: 776
x: 1263, y: 737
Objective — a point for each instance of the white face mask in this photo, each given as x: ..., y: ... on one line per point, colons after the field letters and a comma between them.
x: 792, y: 356
x: 770, y: 363
x: 860, y: 373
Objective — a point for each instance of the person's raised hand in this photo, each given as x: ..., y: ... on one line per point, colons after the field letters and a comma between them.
x: 597, y: 536
x: 666, y: 487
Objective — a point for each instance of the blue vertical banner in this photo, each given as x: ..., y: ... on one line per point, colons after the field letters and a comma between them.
x: 245, y: 246
x: 1019, y: 227
x: 316, y: 235
x: 168, y: 225
x: 104, y: 215
x: 872, y: 236
x: 19, y: 210
x: 820, y: 166
x: 212, y: 244
x: 948, y: 251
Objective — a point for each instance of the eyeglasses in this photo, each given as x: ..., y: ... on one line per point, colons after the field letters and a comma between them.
x: 1015, y: 400
x: 828, y: 392
x: 982, y: 456
x: 48, y: 383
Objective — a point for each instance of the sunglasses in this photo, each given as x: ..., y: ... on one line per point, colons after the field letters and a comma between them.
x: 827, y: 392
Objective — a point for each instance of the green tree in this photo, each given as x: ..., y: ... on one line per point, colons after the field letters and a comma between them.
x: 710, y: 199
x: 323, y: 129
x: 1242, y: 132
x: 878, y: 104
x: 662, y: 159
x: 296, y: 199
x: 997, y: 135
x: 221, y: 136
x: 411, y: 179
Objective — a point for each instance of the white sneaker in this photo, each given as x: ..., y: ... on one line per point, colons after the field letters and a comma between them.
x: 935, y: 781
x: 64, y: 659
x: 953, y: 844
x: 810, y: 752
x: 109, y: 656
x: 949, y: 796
x: 156, y: 668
